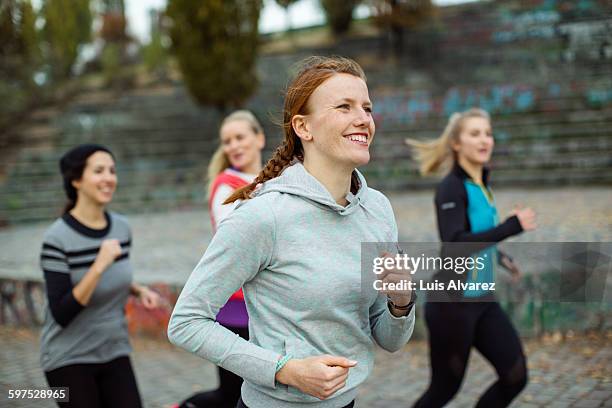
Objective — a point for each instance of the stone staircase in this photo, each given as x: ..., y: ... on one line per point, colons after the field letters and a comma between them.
x: 552, y: 118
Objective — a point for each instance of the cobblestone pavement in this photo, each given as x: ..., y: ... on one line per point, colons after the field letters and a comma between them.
x: 570, y: 372
x: 573, y: 372
x: 167, y: 246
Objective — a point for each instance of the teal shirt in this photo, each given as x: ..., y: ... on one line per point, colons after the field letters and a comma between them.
x: 482, y: 215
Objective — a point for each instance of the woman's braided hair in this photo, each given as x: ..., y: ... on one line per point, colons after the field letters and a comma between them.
x: 313, y: 71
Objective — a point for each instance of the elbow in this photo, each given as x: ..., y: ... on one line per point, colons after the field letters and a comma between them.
x: 174, y: 330
x: 60, y: 318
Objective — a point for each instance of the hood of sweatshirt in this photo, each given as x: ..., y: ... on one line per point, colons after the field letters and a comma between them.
x: 296, y: 180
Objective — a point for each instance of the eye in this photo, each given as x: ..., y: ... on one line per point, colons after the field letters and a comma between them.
x: 112, y: 170
x: 344, y: 106
x: 368, y: 109
x: 239, y: 137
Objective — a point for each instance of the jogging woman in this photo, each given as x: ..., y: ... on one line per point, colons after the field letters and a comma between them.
x: 294, y: 245
x: 234, y: 165
x: 88, y: 276
x: 466, y: 213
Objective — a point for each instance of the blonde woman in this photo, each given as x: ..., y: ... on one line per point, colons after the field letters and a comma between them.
x: 234, y: 165
x: 466, y: 212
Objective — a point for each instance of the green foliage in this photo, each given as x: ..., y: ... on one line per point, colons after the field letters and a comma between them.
x: 215, y: 43
x: 285, y: 3
x: 67, y: 25
x: 403, y: 14
x: 111, y: 62
x: 154, y: 54
x: 29, y: 36
x: 339, y: 14
x: 19, y: 58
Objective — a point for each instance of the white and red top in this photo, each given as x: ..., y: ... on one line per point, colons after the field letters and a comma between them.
x: 223, y: 186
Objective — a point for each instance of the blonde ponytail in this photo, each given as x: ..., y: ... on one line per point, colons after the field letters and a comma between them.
x: 218, y: 163
x: 437, y: 155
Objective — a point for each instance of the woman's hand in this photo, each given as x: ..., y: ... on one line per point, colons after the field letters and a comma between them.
x: 515, y: 272
x: 394, y: 276
x: 319, y: 376
x: 149, y: 298
x: 108, y: 252
x: 526, y: 217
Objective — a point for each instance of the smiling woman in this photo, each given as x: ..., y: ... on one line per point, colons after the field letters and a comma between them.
x: 88, y: 277
x: 293, y: 244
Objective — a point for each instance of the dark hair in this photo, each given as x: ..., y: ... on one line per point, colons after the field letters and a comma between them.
x: 72, y: 164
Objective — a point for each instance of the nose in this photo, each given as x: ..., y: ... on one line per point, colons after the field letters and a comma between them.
x: 233, y: 144
x: 363, y: 118
x: 110, y: 177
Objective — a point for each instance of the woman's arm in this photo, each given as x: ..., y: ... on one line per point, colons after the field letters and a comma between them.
x: 241, y: 248
x: 391, y: 329
x: 65, y: 300
x: 453, y: 224
x: 390, y: 332
x: 219, y: 211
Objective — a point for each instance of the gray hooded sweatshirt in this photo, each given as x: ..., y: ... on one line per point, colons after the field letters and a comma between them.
x: 297, y: 255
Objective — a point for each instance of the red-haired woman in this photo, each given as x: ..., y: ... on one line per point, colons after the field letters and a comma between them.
x: 294, y: 245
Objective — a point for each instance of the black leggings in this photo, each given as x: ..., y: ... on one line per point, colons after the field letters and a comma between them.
x: 241, y: 404
x: 228, y: 392
x: 453, y: 329
x: 111, y: 384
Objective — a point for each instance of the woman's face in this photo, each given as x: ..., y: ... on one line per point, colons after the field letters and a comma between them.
x: 241, y: 144
x: 99, y: 180
x: 339, y: 124
x: 475, y: 141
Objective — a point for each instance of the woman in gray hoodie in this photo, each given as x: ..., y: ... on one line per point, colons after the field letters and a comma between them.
x: 294, y: 245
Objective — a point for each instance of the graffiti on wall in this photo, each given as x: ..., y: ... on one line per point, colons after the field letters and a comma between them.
x: 407, y: 107
x: 577, y: 24
x: 23, y: 303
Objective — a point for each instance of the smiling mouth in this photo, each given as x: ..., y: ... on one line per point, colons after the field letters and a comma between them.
x: 358, y: 138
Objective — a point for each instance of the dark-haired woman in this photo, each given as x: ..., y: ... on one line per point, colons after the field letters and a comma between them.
x: 88, y: 276
x: 294, y: 245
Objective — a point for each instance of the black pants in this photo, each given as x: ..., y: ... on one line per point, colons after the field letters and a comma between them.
x: 111, y: 384
x: 453, y: 329
x: 241, y: 404
x: 228, y: 392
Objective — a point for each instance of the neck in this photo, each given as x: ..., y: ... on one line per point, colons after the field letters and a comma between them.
x: 338, y: 183
x: 474, y: 170
x: 89, y: 214
x: 253, y: 168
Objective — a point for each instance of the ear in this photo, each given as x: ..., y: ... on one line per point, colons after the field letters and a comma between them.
x: 301, y: 128
x: 454, y: 144
x: 261, y: 140
x: 76, y: 184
